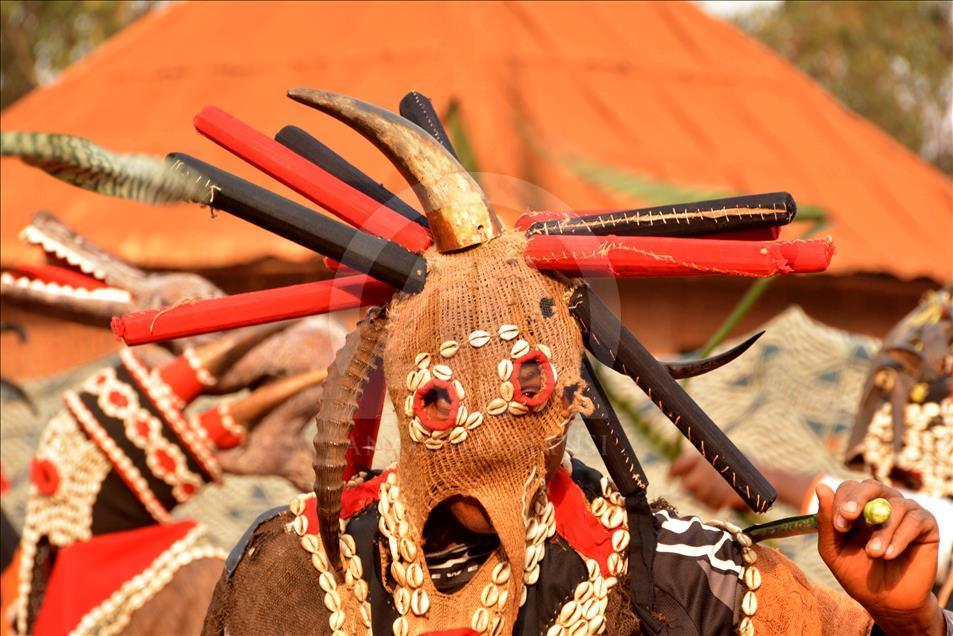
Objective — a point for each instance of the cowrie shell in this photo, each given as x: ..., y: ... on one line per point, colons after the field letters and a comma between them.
x: 501, y: 573
x: 366, y: 616
x: 300, y: 525
x: 442, y: 371
x: 591, y: 609
x: 420, y: 602
x: 497, y: 406
x: 505, y: 370
x: 402, y: 600
x: 355, y: 568
x: 458, y: 435
x: 490, y: 594
x: 415, y: 575
x: 613, y: 517
x: 409, y: 406
x: 461, y: 416
x: 480, y: 620
x: 320, y: 561
x: 555, y: 630
x: 620, y: 540
x: 421, y: 377
x: 598, y: 506
x: 474, y: 420
x: 408, y: 550
x: 297, y: 505
x: 332, y: 600
x: 433, y: 444
x: 326, y: 581
x: 546, y: 350
x: 531, y: 576
x: 599, y: 589
x: 310, y: 543
x: 522, y: 596
x: 569, y: 613
x: 410, y: 380
x: 615, y: 564
x: 506, y: 390
x: 597, y: 625
x: 508, y: 332
x: 520, y: 349
x: 443, y: 434
x: 516, y: 408
x: 400, y: 626
x: 399, y: 572
x: 478, y: 338
x: 749, y: 603
x: 458, y: 387
x: 348, y: 547
x: 415, y: 433
x: 746, y: 627
x: 336, y: 620
x: 583, y: 592
x: 422, y: 360
x: 449, y: 348
x: 496, y: 627
x: 392, y: 545
x: 501, y: 602
x: 752, y: 578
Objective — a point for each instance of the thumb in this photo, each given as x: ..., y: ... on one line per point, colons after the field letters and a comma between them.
x: 826, y: 534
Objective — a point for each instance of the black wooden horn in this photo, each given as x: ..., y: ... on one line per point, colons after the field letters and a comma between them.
x: 700, y: 218
x: 615, y: 346
x: 303, y: 144
x: 418, y: 108
x: 386, y: 261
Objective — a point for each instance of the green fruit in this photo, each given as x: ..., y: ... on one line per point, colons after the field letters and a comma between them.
x: 877, y: 511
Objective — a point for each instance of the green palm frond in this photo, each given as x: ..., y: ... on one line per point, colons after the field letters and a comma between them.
x: 82, y: 163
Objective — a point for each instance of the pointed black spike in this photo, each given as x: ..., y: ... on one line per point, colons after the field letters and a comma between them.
x: 615, y: 346
x: 418, y: 108
x: 690, y: 368
x: 303, y: 144
x: 701, y: 218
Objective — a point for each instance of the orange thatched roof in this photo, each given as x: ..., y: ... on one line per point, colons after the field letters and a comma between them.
x: 661, y: 90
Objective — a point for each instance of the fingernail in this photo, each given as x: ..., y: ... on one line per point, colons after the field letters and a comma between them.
x: 874, y: 545
x: 840, y: 523
x: 850, y: 506
x: 890, y: 550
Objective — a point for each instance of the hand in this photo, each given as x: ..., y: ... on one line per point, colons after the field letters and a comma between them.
x: 704, y: 483
x: 889, y: 569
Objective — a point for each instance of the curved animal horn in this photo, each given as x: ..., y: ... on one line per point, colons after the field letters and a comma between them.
x: 347, y: 376
x: 456, y: 207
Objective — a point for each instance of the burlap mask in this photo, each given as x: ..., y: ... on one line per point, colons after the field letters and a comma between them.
x: 482, y: 311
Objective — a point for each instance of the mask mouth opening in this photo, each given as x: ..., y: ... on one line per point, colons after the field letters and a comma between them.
x: 458, y: 540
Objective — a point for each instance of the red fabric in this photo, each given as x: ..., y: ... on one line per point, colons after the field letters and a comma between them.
x: 4, y: 482
x: 181, y: 378
x: 252, y: 308
x: 576, y: 524
x: 420, y: 409
x: 211, y: 421
x: 367, y: 421
x: 632, y: 256
x: 60, y: 276
x: 353, y: 500
x: 309, y: 180
x: 86, y: 574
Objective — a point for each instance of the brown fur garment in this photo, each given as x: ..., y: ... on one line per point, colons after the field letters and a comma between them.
x: 179, y: 607
x: 790, y: 605
x: 274, y: 589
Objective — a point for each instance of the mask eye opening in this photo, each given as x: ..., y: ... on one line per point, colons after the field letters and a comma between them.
x: 533, y: 379
x: 436, y: 404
